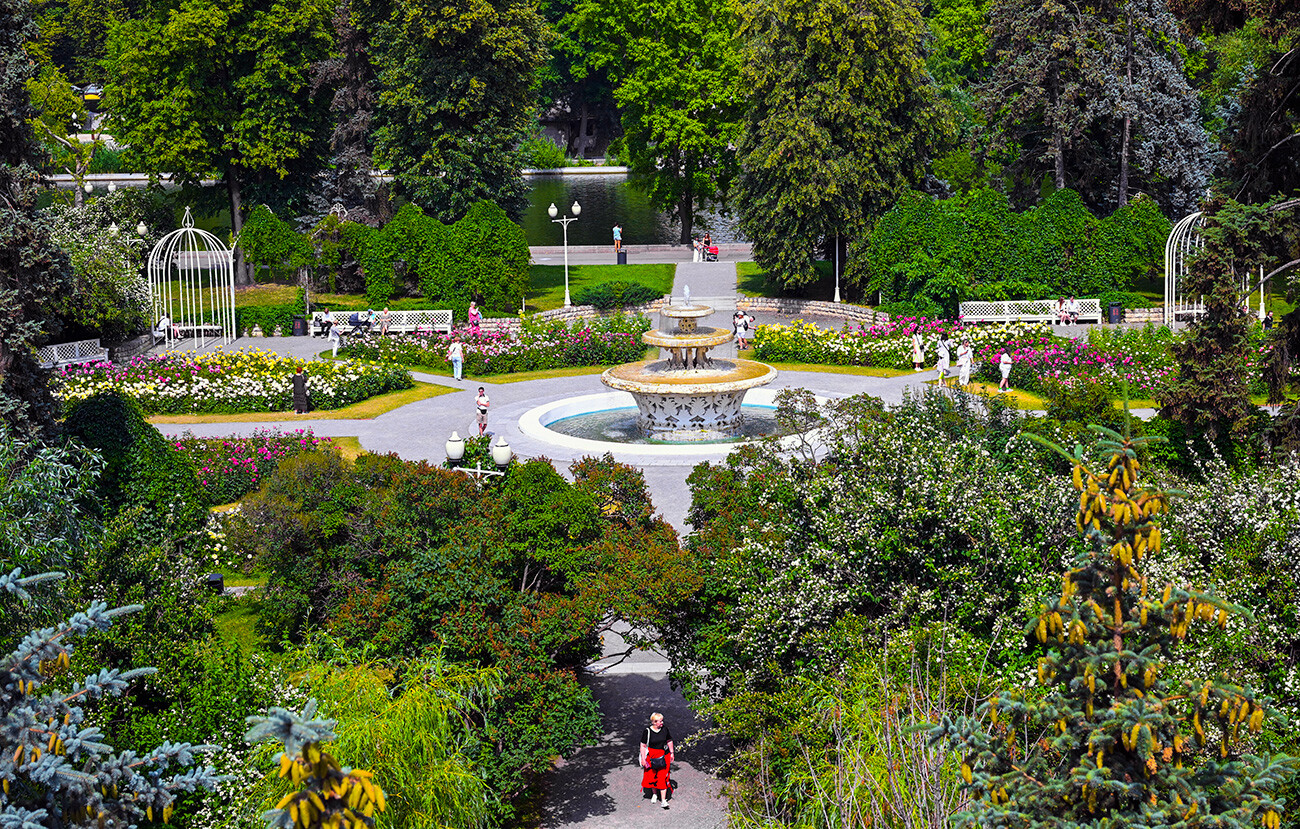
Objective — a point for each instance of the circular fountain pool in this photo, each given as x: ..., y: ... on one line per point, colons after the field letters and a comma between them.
x: 608, y: 422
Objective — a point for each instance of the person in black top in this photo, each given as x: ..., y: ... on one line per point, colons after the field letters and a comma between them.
x: 300, y: 391
x: 656, y: 759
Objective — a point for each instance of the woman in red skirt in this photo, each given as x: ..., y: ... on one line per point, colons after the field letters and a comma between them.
x: 656, y: 759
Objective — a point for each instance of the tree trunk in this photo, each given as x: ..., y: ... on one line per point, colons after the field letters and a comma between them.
x: 1122, y: 198
x: 687, y: 208
x: 242, y: 274
x: 1058, y: 140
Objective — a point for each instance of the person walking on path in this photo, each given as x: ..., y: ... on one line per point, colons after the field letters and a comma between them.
x: 481, y: 403
x: 944, y: 349
x: 963, y: 363
x: 918, y: 349
x: 300, y: 391
x: 335, y: 339
x: 656, y: 760
x: 740, y: 321
x: 474, y: 319
x: 1004, y: 365
x: 618, y: 238
x: 456, y: 356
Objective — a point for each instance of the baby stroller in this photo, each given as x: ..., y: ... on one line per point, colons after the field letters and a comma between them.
x: 360, y: 323
x: 711, y: 253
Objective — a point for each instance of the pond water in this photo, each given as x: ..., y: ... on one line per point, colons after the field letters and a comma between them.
x: 607, y: 199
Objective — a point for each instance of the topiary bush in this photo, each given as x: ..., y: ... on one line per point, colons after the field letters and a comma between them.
x: 139, y: 467
x: 616, y: 293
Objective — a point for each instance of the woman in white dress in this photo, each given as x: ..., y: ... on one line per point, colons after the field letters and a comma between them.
x: 918, y: 349
x: 944, y: 349
x: 963, y: 363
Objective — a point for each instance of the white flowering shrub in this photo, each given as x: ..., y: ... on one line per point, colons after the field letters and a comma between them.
x: 919, y: 512
x: 110, y: 296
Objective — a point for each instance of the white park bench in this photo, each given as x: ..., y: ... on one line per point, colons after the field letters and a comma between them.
x: 66, y: 354
x: 402, y: 322
x: 1026, y: 310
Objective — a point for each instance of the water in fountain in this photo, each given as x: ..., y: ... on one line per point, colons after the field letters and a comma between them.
x: 691, y: 396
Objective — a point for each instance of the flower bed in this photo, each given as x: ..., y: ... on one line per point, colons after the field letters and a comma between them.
x: 228, y: 382
x: 231, y: 467
x: 598, y: 342
x: 1040, y: 361
x: 885, y: 345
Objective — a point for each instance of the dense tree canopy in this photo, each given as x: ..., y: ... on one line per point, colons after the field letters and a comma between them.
x: 675, y: 73
x: 201, y: 88
x: 33, y: 270
x: 456, y: 99
x: 842, y: 118
x: 1095, y: 99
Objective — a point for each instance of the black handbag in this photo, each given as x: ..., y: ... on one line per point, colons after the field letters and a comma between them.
x: 656, y: 763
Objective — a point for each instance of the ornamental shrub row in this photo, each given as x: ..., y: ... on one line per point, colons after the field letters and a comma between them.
x: 537, y: 347
x: 976, y: 248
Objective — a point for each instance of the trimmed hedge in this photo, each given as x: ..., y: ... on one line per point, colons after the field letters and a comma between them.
x: 268, y: 317
x: 616, y: 293
x: 976, y: 247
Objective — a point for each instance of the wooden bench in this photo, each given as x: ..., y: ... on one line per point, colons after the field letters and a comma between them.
x: 1026, y: 310
x: 402, y: 322
x: 73, y: 353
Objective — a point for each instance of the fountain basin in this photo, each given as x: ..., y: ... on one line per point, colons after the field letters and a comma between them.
x: 689, y: 405
x: 707, y: 337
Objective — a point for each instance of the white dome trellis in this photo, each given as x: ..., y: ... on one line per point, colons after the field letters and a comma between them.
x: 192, y: 286
x: 1183, y: 244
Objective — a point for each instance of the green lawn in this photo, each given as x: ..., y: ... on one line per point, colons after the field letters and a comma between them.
x: 754, y: 281
x: 238, y: 624
x: 365, y: 410
x: 546, y: 282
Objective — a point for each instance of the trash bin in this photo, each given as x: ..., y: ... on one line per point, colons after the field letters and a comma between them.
x: 622, y: 257
x: 216, y: 582
x: 300, y: 326
x: 1113, y: 312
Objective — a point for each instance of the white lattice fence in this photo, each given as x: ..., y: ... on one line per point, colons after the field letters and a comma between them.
x: 80, y: 351
x: 403, y: 322
x: 1031, y: 310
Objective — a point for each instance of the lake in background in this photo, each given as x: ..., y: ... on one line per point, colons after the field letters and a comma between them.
x: 607, y: 199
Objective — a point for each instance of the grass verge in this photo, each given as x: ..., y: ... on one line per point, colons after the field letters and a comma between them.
x: 365, y: 410
x: 349, y: 447
x: 751, y: 280
x: 861, y: 371
x: 239, y: 625
x: 546, y: 282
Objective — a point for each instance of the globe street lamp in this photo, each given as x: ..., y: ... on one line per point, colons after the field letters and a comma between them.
x: 576, y: 209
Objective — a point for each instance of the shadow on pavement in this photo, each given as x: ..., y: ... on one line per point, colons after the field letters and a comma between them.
x: 601, y: 785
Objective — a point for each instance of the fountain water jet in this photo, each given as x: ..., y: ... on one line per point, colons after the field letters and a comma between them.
x: 690, y: 396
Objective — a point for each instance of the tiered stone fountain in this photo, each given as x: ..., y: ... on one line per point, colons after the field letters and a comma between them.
x: 691, y: 396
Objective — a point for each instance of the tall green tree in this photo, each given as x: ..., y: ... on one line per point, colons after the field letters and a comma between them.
x: 33, y: 271
x: 1117, y: 737
x: 675, y: 67
x: 456, y: 98
x: 843, y: 117
x: 200, y: 87
x: 1095, y: 97
x: 1210, y: 393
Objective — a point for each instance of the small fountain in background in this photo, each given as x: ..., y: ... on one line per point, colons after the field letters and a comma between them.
x: 691, y: 396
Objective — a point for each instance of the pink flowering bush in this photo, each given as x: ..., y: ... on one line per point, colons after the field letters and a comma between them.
x: 231, y: 467
x: 885, y: 345
x: 597, y: 342
x: 1040, y: 361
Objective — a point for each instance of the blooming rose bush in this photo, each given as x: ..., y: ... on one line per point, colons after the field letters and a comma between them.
x: 227, y: 382
x: 885, y: 345
x: 538, y: 346
x: 231, y: 467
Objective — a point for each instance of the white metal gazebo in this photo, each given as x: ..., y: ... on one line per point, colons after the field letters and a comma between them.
x: 1183, y: 243
x: 192, y: 286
